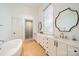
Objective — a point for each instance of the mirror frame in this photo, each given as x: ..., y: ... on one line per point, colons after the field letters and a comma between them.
x: 59, y: 15
x: 40, y: 27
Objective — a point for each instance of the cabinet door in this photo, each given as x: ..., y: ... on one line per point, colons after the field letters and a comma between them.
x: 72, y: 51
x: 61, y: 49
x: 34, y: 36
x: 45, y: 44
x: 41, y: 40
x: 51, y: 47
x: 37, y: 38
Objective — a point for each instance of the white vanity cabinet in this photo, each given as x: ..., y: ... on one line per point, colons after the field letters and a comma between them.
x: 51, y: 47
x: 73, y: 51
x: 36, y: 38
x: 45, y: 44
x: 41, y: 41
x: 57, y: 48
x: 61, y: 49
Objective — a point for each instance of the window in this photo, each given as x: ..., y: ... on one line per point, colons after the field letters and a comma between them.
x: 48, y: 20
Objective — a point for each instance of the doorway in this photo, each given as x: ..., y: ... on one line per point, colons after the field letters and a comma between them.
x: 28, y: 29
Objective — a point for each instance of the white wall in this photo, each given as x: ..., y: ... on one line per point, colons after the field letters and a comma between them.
x: 5, y: 21
x: 14, y: 10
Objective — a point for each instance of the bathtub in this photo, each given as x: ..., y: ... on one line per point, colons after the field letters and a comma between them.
x: 11, y: 48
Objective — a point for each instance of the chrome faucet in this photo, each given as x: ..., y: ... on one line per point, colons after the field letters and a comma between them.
x: 2, y: 41
x: 61, y: 35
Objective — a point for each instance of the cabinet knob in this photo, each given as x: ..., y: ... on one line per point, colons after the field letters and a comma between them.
x: 14, y: 33
x: 74, y: 39
x: 47, y: 42
x: 46, y: 47
x: 75, y: 50
x: 54, y: 43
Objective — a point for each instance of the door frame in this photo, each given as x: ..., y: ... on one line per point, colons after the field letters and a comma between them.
x: 26, y: 20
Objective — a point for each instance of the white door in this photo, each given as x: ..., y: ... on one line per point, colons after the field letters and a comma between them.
x: 61, y: 49
x: 17, y: 28
x: 51, y: 47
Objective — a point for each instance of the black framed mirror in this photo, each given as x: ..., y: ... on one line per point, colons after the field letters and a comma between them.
x: 66, y: 20
x: 40, y: 27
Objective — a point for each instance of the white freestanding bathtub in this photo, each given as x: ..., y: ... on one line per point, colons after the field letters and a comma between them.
x: 11, y: 48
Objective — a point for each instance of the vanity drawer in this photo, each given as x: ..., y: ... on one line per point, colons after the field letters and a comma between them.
x: 45, y: 43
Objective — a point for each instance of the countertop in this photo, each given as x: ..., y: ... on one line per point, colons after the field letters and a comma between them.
x: 66, y: 41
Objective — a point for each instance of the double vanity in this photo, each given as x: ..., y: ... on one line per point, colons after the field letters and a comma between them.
x: 55, y: 46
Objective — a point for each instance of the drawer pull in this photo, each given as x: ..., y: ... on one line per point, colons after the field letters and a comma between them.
x: 47, y: 42
x: 54, y: 43
x: 74, y: 39
x: 75, y: 50
x: 46, y: 47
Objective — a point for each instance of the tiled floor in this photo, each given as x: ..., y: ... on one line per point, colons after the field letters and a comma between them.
x: 32, y: 48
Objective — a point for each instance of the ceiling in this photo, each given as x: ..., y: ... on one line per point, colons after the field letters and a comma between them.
x: 34, y: 5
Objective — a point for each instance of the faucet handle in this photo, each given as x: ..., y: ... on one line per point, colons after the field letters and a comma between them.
x: 61, y: 35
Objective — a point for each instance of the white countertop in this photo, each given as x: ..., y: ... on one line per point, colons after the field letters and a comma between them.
x: 66, y: 41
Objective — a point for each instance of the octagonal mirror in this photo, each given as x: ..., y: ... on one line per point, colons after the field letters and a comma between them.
x: 66, y: 20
